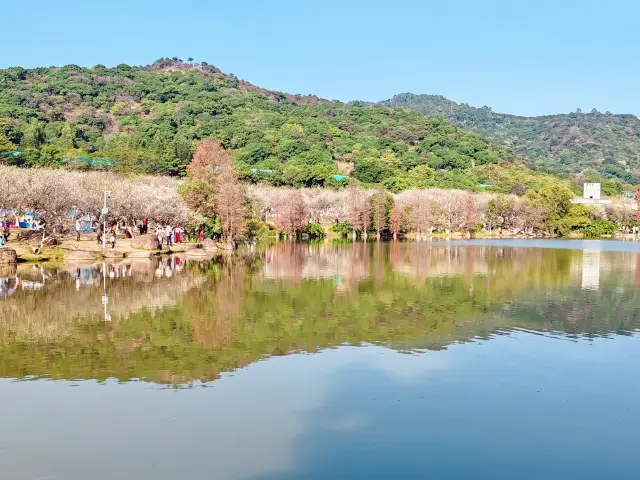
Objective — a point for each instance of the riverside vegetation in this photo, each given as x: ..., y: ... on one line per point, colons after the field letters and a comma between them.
x: 239, y: 161
x: 217, y: 201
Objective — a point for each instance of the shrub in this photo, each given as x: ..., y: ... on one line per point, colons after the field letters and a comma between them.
x: 598, y: 228
x: 315, y: 230
x: 343, y: 229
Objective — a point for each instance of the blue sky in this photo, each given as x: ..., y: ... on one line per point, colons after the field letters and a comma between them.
x: 520, y: 56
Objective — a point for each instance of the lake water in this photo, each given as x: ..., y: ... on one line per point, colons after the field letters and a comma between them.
x: 500, y: 359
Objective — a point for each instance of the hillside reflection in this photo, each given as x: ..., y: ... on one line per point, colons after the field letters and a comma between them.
x: 174, y: 321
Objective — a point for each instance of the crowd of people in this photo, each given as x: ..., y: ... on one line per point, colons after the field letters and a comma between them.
x: 167, y: 235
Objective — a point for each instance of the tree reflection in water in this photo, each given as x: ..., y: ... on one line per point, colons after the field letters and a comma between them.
x: 175, y: 321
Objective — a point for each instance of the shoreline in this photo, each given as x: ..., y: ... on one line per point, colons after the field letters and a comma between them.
x: 87, y: 248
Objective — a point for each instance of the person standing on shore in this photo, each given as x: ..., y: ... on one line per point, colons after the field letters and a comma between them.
x: 78, y: 230
x: 4, y: 231
x: 201, y: 236
x: 168, y: 231
x: 159, y: 235
x: 112, y: 240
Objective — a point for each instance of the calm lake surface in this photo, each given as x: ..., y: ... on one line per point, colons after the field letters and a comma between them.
x: 494, y: 359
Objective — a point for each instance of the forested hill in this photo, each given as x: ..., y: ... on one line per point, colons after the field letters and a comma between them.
x: 574, y: 142
x: 148, y: 120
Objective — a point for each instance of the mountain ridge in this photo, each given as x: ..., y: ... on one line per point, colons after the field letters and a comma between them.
x: 576, y: 142
x: 148, y: 119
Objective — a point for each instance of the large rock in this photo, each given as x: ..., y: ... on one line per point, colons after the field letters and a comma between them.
x: 179, y: 247
x: 8, y: 256
x: 209, y: 245
x: 79, y: 255
x: 146, y: 242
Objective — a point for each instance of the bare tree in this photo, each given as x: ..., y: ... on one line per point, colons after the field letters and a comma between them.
x: 297, y: 213
x: 422, y: 217
x: 230, y: 204
x: 359, y: 208
x: 451, y: 209
x: 470, y: 213
x: 396, y: 220
x: 290, y: 212
x: 380, y: 203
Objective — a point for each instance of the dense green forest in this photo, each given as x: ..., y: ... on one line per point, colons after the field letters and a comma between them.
x: 578, y: 142
x: 149, y: 119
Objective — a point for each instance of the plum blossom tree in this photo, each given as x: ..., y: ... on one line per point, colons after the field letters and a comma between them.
x: 54, y: 193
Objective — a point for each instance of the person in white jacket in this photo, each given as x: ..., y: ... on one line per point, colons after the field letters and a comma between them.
x: 168, y: 231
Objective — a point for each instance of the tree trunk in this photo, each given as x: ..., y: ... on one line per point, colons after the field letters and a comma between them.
x: 395, y: 236
x: 44, y: 230
x: 355, y: 235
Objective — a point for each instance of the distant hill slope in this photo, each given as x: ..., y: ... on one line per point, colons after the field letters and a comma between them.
x: 570, y: 143
x: 148, y: 120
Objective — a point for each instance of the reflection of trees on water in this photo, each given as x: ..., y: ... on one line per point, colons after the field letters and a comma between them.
x: 73, y: 294
x: 211, y: 312
x: 343, y: 263
x: 193, y: 321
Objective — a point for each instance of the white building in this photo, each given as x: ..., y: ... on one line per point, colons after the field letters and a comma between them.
x: 591, y: 195
x: 592, y: 191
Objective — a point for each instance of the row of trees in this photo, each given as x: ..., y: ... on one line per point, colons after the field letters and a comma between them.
x: 213, y: 195
x: 361, y: 212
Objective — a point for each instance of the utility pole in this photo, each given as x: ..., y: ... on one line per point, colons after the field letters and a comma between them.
x: 105, y: 210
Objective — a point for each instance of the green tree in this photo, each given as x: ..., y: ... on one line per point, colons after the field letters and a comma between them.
x: 554, y: 203
x: 33, y: 134
x: 5, y: 144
